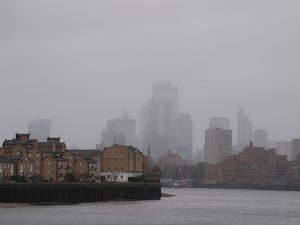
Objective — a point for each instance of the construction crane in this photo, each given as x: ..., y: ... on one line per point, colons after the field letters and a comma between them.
x: 176, y: 159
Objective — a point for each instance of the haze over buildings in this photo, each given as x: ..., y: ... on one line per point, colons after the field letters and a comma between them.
x: 120, y: 131
x: 163, y: 127
x: 219, y: 122
x: 260, y: 138
x: 40, y: 129
x: 244, y: 130
x: 84, y: 62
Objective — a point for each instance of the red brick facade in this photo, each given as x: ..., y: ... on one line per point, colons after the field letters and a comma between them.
x: 254, y: 164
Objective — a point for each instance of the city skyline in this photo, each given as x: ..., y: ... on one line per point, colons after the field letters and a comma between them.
x: 220, y: 120
x: 81, y: 64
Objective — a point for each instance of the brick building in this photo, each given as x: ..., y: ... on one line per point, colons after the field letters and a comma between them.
x: 51, y: 161
x: 254, y: 164
x: 120, y: 162
x: 7, y: 168
x: 54, y: 168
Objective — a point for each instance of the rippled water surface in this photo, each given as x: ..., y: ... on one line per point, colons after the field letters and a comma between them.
x: 189, y: 206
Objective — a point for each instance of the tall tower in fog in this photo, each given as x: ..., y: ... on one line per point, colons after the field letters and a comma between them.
x: 184, y: 138
x: 40, y: 129
x: 161, y: 123
x: 244, y: 130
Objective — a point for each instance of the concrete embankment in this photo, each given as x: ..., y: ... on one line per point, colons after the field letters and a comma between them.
x: 78, y: 192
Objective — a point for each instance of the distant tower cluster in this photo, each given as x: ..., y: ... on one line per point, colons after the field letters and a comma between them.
x: 162, y: 126
x: 120, y: 131
x: 218, y: 140
x: 40, y: 129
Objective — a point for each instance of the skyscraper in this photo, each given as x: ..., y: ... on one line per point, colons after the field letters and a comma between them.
x: 218, y: 145
x: 120, y: 131
x: 40, y: 129
x: 284, y: 148
x: 295, y: 149
x: 184, y: 139
x: 260, y: 137
x: 244, y: 130
x: 162, y: 124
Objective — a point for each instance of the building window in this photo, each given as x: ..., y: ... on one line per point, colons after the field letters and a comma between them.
x: 49, y: 171
x: 49, y: 163
x: 37, y: 163
x: 18, y: 153
x: 38, y: 155
x: 29, y: 154
x: 21, y: 169
x: 80, y: 164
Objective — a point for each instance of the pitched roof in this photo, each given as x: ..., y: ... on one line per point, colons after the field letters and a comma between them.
x: 89, y: 153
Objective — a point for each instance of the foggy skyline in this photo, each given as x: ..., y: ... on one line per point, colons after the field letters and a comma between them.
x: 81, y: 63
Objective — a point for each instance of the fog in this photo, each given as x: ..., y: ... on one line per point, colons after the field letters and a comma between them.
x: 81, y: 63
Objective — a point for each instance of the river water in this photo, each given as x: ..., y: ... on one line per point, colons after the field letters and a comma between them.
x: 189, y: 206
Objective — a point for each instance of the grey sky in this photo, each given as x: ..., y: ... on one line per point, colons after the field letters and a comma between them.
x: 83, y: 62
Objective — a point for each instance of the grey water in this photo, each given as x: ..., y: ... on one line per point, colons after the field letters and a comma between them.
x: 189, y: 206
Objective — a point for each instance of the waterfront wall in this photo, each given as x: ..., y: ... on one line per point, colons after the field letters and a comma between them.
x: 284, y: 187
x: 77, y: 192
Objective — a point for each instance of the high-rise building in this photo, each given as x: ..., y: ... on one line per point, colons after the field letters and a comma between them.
x: 184, y: 140
x: 161, y: 123
x: 295, y: 149
x: 284, y: 148
x: 219, y: 122
x: 120, y: 131
x: 40, y: 129
x: 244, y: 130
x: 260, y: 137
x: 218, y: 145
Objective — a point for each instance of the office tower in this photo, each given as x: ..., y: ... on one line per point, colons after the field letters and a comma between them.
x: 40, y: 129
x: 260, y: 137
x: 295, y: 149
x: 184, y: 140
x: 219, y: 122
x: 284, y: 148
x: 244, y: 130
x: 161, y: 123
x: 120, y: 131
x: 218, y: 145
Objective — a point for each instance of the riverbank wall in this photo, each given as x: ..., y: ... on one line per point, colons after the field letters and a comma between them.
x: 78, y: 192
